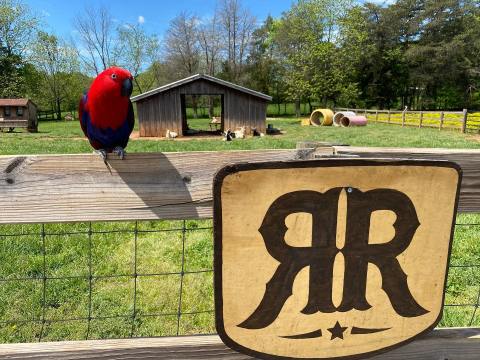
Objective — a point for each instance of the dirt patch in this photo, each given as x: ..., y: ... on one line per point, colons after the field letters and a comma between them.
x: 136, y: 136
x: 203, y: 136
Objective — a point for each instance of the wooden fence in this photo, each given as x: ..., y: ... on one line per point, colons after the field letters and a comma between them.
x: 66, y: 188
x: 457, y: 120
x: 46, y: 115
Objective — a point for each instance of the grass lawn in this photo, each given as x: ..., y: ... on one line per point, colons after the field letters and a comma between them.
x: 108, y: 252
x: 67, y: 137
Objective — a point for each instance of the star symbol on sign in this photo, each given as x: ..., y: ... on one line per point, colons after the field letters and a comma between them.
x: 337, y: 331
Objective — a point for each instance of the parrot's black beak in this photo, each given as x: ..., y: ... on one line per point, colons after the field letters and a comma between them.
x: 127, y: 87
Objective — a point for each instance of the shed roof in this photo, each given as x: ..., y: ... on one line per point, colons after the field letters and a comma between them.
x: 198, y: 77
x: 14, y: 102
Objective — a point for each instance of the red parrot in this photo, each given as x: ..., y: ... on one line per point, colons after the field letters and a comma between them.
x: 106, y: 112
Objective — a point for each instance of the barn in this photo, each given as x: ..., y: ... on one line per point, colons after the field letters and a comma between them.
x: 18, y: 113
x: 164, y: 108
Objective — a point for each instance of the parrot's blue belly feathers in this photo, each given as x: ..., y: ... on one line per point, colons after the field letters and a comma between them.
x: 109, y: 138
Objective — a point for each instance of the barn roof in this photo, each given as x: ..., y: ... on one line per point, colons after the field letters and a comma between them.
x: 198, y: 77
x: 14, y: 102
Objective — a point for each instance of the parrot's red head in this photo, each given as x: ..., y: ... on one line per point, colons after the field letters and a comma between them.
x: 114, y: 81
x: 109, y: 97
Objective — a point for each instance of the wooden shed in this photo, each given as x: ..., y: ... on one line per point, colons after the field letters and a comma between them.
x: 164, y: 108
x: 18, y: 113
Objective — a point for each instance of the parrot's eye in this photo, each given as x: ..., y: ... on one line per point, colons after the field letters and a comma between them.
x: 114, y: 76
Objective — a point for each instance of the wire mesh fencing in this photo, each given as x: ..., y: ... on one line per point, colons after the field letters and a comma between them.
x: 105, y: 280
x: 152, y: 278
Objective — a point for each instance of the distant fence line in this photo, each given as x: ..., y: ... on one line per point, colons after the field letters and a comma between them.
x: 45, y: 115
x: 457, y: 120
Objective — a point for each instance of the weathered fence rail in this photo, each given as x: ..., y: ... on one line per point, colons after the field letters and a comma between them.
x: 469, y: 160
x: 457, y: 120
x: 442, y: 344
x: 72, y: 188
x: 65, y: 188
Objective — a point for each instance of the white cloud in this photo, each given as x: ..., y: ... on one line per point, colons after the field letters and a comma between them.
x: 141, y: 19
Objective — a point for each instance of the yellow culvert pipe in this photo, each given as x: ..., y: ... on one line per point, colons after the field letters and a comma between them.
x: 321, y: 117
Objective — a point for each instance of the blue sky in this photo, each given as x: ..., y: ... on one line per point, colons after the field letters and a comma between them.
x: 58, y: 15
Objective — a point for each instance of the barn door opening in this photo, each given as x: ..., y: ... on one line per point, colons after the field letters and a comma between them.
x: 202, y: 114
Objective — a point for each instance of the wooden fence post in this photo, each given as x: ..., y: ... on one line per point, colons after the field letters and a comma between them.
x: 376, y: 115
x: 403, y: 118
x: 388, y: 120
x: 421, y: 119
x: 464, y: 120
x: 442, y: 116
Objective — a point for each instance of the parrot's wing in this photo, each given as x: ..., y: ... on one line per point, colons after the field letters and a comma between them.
x: 130, y: 118
x: 83, y: 113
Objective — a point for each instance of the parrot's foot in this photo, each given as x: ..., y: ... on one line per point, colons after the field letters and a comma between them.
x: 102, y: 153
x: 120, y: 152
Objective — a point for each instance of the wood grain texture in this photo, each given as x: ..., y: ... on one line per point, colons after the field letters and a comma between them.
x: 469, y: 160
x: 14, y: 123
x: 458, y: 344
x: 63, y: 188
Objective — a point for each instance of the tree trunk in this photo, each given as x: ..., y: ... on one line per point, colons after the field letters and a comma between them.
x: 210, y: 107
x: 297, y: 107
x: 309, y: 106
x: 58, y: 110
x: 195, y: 106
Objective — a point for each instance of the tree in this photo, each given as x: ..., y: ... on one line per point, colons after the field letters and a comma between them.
x: 352, y: 51
x: 440, y: 60
x: 182, y: 48
x: 306, y: 36
x: 237, y: 25
x: 136, y: 48
x: 57, y: 62
x: 382, y: 73
x: 264, y: 62
x: 157, y: 74
x: 17, y: 27
x: 210, y: 43
x: 97, y: 38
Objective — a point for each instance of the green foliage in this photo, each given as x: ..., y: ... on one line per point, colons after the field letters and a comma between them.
x: 58, y: 67
x: 424, y: 54
x: 11, y: 75
x: 17, y: 27
x: 135, y: 50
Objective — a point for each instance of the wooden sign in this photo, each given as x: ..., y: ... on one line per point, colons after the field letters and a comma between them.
x: 331, y: 258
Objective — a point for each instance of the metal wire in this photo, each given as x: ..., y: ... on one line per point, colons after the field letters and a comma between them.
x: 137, y: 319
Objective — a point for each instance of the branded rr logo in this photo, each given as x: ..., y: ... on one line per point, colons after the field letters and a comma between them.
x: 321, y: 255
x: 366, y: 272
